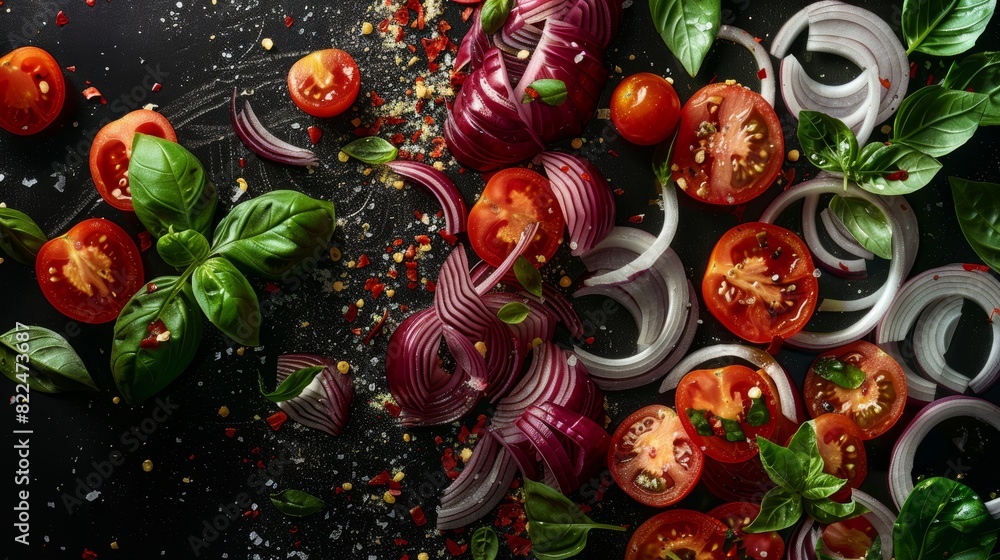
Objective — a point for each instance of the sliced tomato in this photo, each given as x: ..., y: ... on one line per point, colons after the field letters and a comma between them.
x: 513, y: 199
x: 843, y: 450
x: 652, y: 458
x: 764, y: 546
x: 112, y: 148
x: 724, y: 409
x: 759, y: 282
x: 32, y: 90
x: 324, y: 83
x: 729, y: 146
x: 851, y: 538
x: 90, y: 273
x: 875, y: 405
x: 645, y: 109
x: 735, y: 515
x: 687, y: 534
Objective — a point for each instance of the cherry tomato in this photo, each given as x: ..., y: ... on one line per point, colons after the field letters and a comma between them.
x: 759, y: 282
x: 645, y: 109
x: 850, y: 538
x: 513, y: 199
x: 689, y: 534
x: 875, y: 405
x: 652, y: 458
x: 112, y: 148
x: 843, y: 450
x: 724, y: 409
x: 729, y: 146
x: 764, y: 546
x: 32, y: 90
x: 90, y: 273
x: 324, y: 83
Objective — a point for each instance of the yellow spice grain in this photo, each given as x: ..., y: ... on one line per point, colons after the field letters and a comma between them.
x: 347, y: 486
x: 343, y: 366
x: 367, y: 28
x: 388, y: 497
x: 223, y: 411
x: 793, y: 155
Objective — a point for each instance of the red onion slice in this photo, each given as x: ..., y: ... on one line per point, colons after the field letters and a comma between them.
x: 540, y: 323
x: 490, y: 481
x: 598, y: 18
x: 326, y: 402
x: 472, y: 50
x: 439, y: 185
x: 261, y: 142
x: 584, y: 197
x: 760, y: 55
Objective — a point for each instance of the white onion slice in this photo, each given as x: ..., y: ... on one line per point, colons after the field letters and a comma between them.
x: 810, y: 234
x: 794, y: 26
x: 807, y: 535
x: 932, y: 337
x: 917, y: 387
x: 767, y: 83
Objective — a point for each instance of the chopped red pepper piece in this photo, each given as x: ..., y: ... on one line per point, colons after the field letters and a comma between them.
x: 289, y: 21
x: 418, y: 517
x: 454, y: 548
x: 61, y: 19
x: 277, y: 419
x: 315, y: 133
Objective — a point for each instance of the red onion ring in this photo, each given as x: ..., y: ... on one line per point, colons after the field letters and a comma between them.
x: 480, y: 486
x: 439, y: 185
x: 325, y: 403
x: 261, y: 142
x: 584, y: 197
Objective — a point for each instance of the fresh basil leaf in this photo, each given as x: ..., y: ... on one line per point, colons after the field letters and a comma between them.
x: 226, y: 298
x: 556, y: 526
x: 822, y: 485
x: 494, y: 14
x: 828, y: 511
x: 894, y: 169
x: 980, y: 73
x: 944, y: 27
x: 484, y: 544
x: 865, y: 222
x: 805, y: 446
x: 688, y: 27
x: 977, y: 206
x: 20, y: 236
x: 937, y: 120
x: 183, y: 248
x: 43, y: 360
x: 758, y: 415
x: 842, y: 374
x: 293, y: 385
x: 827, y: 142
x: 942, y: 518
x: 783, y: 466
x: 371, y: 150
x: 142, y: 369
x: 528, y: 276
x: 169, y: 187
x: 296, y: 503
x: 875, y: 551
x: 548, y: 91
x: 779, y: 510
x: 513, y: 313
x: 275, y: 233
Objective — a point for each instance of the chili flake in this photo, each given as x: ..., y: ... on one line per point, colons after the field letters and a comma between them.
x: 277, y: 419
x: 61, y: 19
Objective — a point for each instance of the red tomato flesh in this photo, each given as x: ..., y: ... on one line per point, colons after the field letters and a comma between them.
x: 32, y: 90
x: 324, y: 83
x: 112, y: 148
x: 688, y: 534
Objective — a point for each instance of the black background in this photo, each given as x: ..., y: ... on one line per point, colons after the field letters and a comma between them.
x: 198, y: 51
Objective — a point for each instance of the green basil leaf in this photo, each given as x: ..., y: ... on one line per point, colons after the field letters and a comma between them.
x: 20, y: 236
x: 296, y: 503
x: 43, y: 360
x: 865, y: 222
x: 937, y: 120
x: 942, y: 518
x: 758, y: 415
x: 556, y: 526
x: 944, y: 27
x: 783, y: 466
x: 828, y: 511
x: 181, y: 249
x: 273, y: 234
x: 875, y: 552
x: 688, y: 27
x: 822, y: 485
x: 528, y: 276
x: 142, y: 370
x: 827, y: 142
x: 805, y: 446
x: 820, y: 555
x: 843, y: 374
x: 980, y: 73
x: 513, y: 313
x: 371, y: 150
x: 169, y: 187
x: 977, y: 206
x: 293, y: 385
x: 779, y: 510
x: 494, y: 14
x: 548, y: 91
x: 485, y: 545
x: 226, y: 298
x: 893, y: 169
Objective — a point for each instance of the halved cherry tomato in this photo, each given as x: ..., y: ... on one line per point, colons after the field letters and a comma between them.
x: 724, y: 409
x: 689, y: 534
x: 850, y: 538
x: 652, y: 458
x: 645, y: 109
x: 759, y: 282
x: 764, y: 546
x: 513, y: 199
x: 112, y: 148
x: 759, y: 546
x: 729, y: 145
x: 324, y: 83
x: 875, y: 405
x: 90, y: 273
x: 843, y: 450
x: 32, y: 90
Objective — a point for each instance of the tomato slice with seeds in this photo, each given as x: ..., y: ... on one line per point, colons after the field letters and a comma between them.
x: 688, y: 534
x: 32, y: 90
x: 652, y: 458
x: 843, y: 450
x: 759, y: 283
x: 759, y: 546
x: 729, y: 146
x: 875, y: 405
x: 90, y: 273
x: 112, y: 148
x: 324, y: 83
x: 851, y: 538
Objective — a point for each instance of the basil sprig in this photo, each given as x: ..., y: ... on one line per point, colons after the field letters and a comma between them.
x: 43, y: 360
x: 976, y: 205
x: 372, y: 150
x: 688, y: 27
x: 943, y: 518
x: 556, y: 526
x: 296, y: 503
x: 20, y: 236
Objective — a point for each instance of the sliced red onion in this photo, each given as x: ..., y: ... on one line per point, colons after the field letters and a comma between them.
x: 495, y: 275
x: 808, y: 534
x: 474, y: 46
x: 810, y: 234
x: 584, y: 197
x: 548, y: 379
x: 535, y: 11
x: 326, y: 402
x: 599, y: 18
x: 439, y: 185
x: 540, y: 323
x: 570, y: 444
x: 261, y: 142
x: 901, y: 462
x: 483, y: 485
x: 760, y: 55
x: 558, y: 472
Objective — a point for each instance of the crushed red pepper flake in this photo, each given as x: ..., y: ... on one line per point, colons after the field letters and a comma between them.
x: 380, y: 479
x: 92, y: 92
x: 156, y: 87
x: 886, y: 83
x: 87, y: 553
x: 61, y: 19
x: 289, y: 21
x: 363, y: 261
x: 352, y: 313
x: 377, y: 100
x: 518, y: 545
x: 277, y: 419
x: 145, y: 240
x: 392, y: 408
x: 230, y: 432
x: 315, y: 134
x: 762, y: 73
x: 377, y: 329
x: 454, y: 548
x: 418, y: 517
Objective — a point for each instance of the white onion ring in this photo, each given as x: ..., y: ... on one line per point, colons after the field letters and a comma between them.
x: 810, y: 234
x: 932, y: 337
x: 767, y: 83
x: 807, y: 535
x: 841, y: 237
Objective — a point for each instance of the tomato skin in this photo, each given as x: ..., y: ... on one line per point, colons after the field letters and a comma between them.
x: 112, y: 148
x: 513, y: 199
x: 759, y: 282
x: 645, y: 109
x: 764, y: 546
x: 843, y: 450
x: 32, y: 90
x: 695, y: 534
x: 876, y: 405
x: 324, y: 83
x: 652, y: 458
x: 97, y: 256
x: 850, y: 538
x: 721, y: 123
